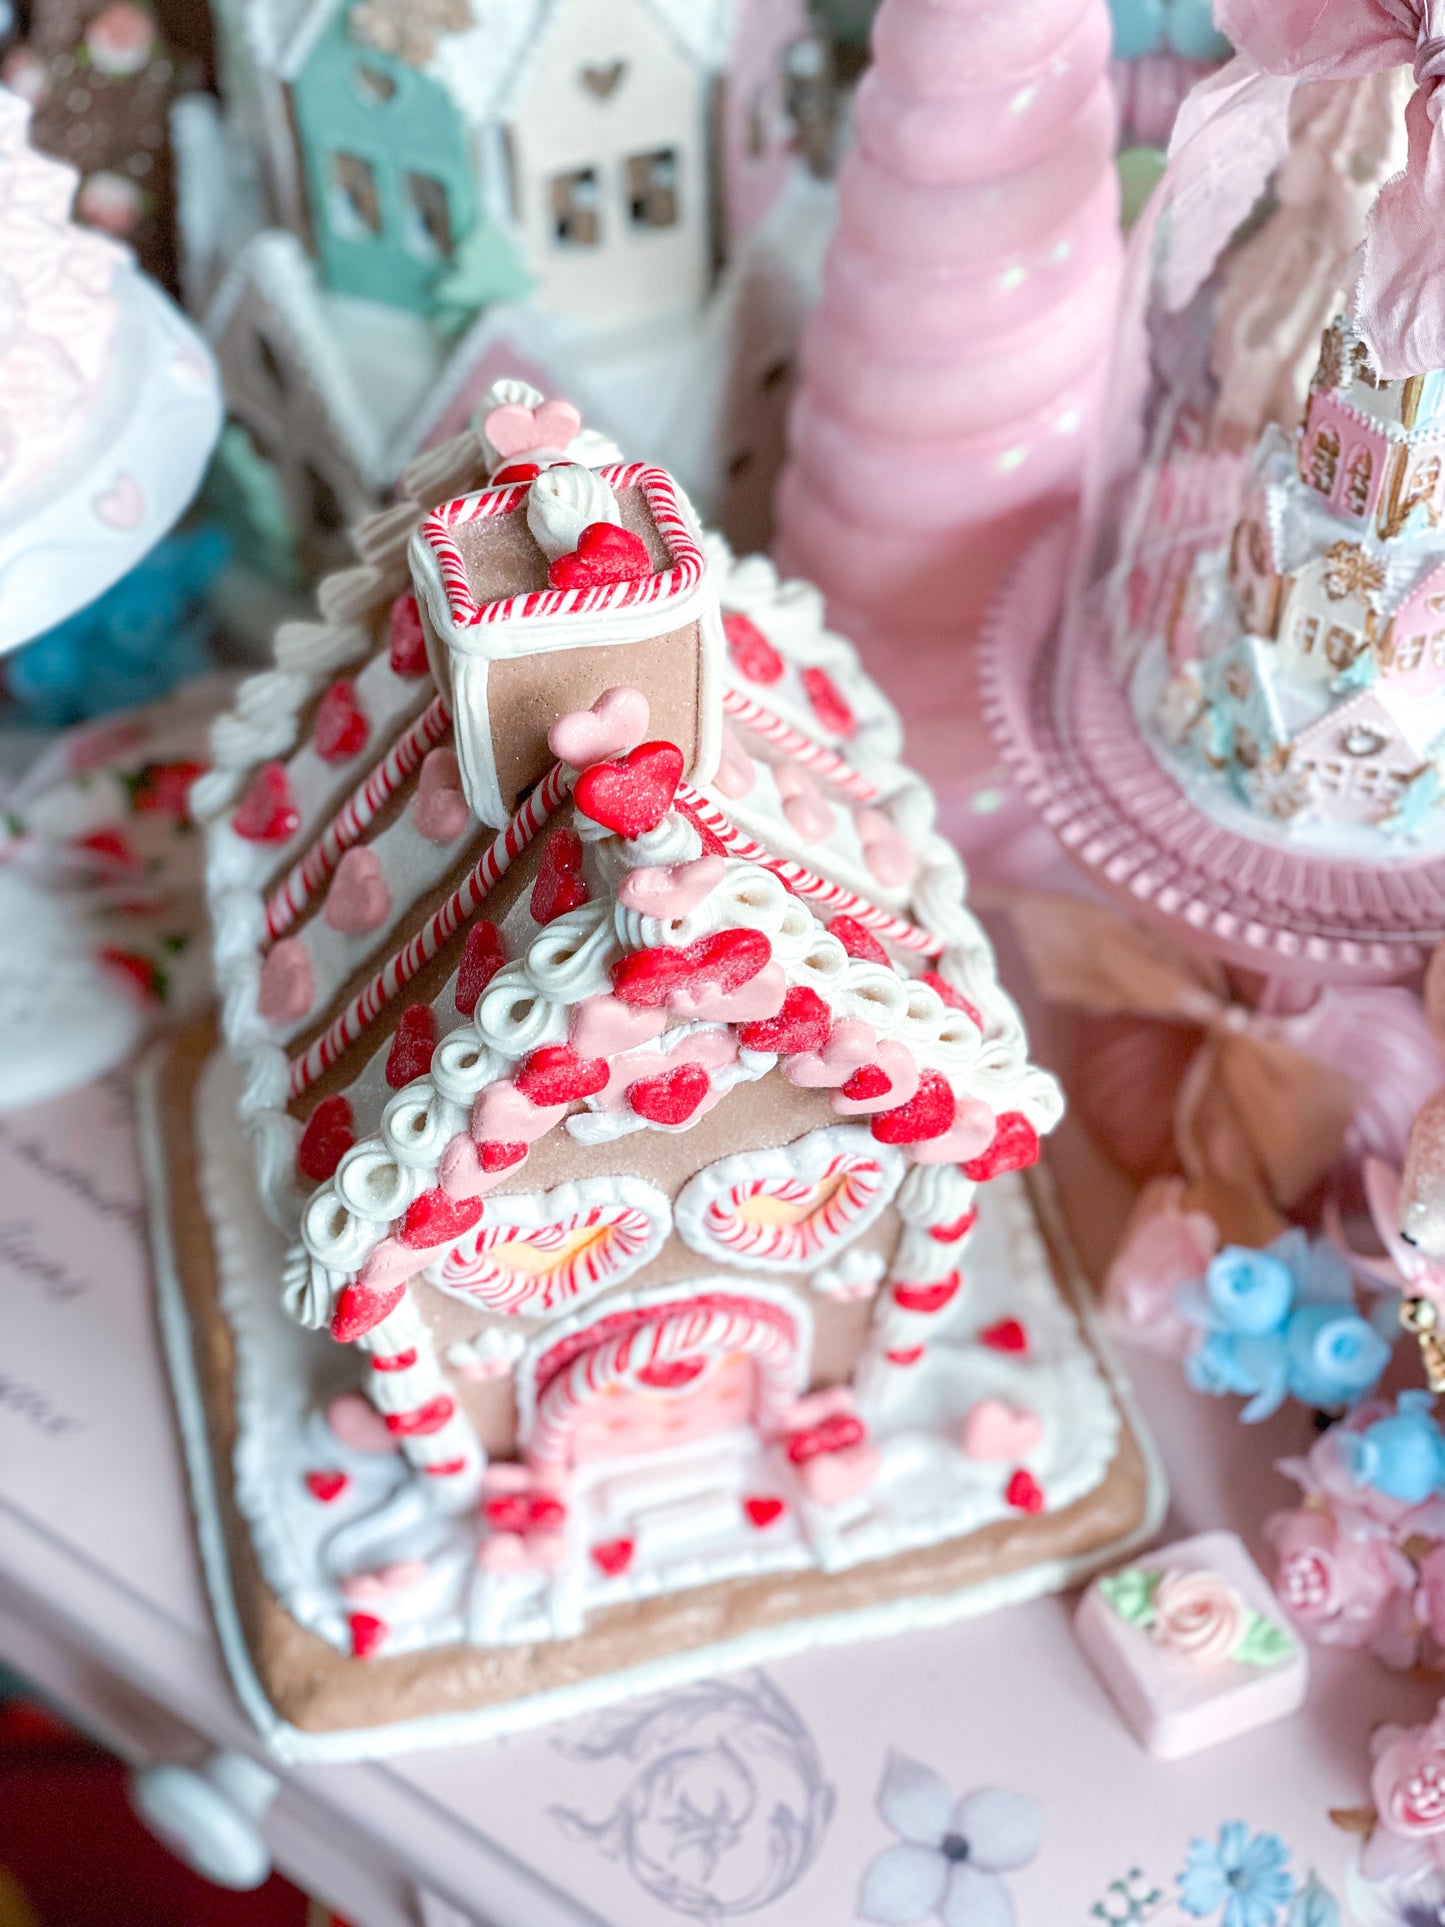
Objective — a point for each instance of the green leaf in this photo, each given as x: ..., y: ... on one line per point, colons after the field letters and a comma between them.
x: 1131, y: 1594
x: 1264, y: 1644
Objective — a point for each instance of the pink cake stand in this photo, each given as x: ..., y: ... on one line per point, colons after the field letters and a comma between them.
x: 1291, y: 917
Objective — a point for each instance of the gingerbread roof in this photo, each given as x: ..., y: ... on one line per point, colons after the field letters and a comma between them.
x: 433, y: 951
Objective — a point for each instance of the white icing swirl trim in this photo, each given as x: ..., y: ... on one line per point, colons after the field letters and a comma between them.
x: 565, y: 500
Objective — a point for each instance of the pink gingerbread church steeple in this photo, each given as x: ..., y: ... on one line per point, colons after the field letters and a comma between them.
x: 951, y: 369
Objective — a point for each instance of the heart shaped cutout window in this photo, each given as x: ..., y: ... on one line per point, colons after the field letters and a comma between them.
x: 792, y: 1208
x: 536, y: 1254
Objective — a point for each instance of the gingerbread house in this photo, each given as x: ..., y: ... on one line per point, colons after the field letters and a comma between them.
x: 624, y: 1076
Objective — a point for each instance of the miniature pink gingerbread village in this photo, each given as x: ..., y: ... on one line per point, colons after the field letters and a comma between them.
x: 628, y: 1086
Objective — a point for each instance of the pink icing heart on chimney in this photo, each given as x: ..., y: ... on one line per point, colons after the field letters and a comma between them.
x: 899, y: 1068
x: 803, y: 803
x: 602, y: 1026
x: 439, y: 809
x: 617, y: 721
x: 994, y: 1430
x: 852, y: 1044
x: 287, y: 985
x: 670, y: 890
x: 513, y: 430
x: 358, y: 900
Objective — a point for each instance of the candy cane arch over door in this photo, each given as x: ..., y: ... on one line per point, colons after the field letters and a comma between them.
x: 620, y: 1350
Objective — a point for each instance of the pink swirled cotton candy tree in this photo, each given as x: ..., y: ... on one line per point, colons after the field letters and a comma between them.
x: 952, y: 368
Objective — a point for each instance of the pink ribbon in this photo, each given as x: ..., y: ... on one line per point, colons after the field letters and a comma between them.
x: 1400, y: 299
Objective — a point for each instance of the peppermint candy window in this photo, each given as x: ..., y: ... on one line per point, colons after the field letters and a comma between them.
x: 792, y: 1208
x: 537, y: 1254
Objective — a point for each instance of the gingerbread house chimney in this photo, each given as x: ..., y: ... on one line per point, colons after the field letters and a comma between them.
x: 540, y: 594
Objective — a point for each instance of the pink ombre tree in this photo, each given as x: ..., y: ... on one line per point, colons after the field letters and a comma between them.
x: 951, y: 371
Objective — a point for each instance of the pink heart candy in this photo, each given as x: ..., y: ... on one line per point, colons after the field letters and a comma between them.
x: 886, y: 850
x: 123, y: 504
x: 287, y: 985
x: 388, y: 1263
x: 973, y: 1130
x: 355, y: 1422
x: 513, y: 430
x: 994, y: 1430
x: 897, y: 1065
x: 460, y: 1172
x: 616, y: 722
x: 511, y: 1552
x: 803, y: 805
x: 852, y: 1043
x: 601, y: 1026
x: 439, y: 809
x: 400, y: 1576
x: 832, y: 1476
x: 735, y: 772
x: 753, y: 1003
x: 670, y: 890
x: 501, y: 1115
x: 358, y: 901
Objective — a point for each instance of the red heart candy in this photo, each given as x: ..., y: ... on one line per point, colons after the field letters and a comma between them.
x: 805, y: 1023
x: 1008, y: 1335
x: 614, y: 1556
x: 869, y: 1080
x: 955, y: 999
x: 326, y: 1486
x: 858, y: 941
x: 1015, y: 1147
x: 604, y: 553
x: 495, y: 1155
x: 927, y: 1114
x: 762, y: 1511
x: 328, y: 1136
x: 483, y: 955
x: 949, y: 1234
x: 268, y: 812
x: 435, y: 1218
x: 424, y: 1420
x: 712, y: 843
x: 671, y: 1098
x: 753, y: 655
x: 1024, y: 1493
x: 828, y: 703
x: 367, y: 1634
x: 359, y: 1310
x: 905, y: 1355
x: 927, y: 1298
x: 408, y: 638
x: 560, y: 884
x: 412, y: 1045
x: 341, y: 726
x: 727, y: 958
x: 555, y: 1074
x: 633, y: 795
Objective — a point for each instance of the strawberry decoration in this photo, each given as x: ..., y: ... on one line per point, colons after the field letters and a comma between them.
x: 671, y: 1098
x: 424, y: 1420
x: 858, y: 941
x: 631, y: 797
x: 268, y: 812
x: 560, y: 884
x: 955, y: 999
x: 163, y: 789
x: 483, y: 955
x: 407, y: 638
x: 495, y: 1155
x: 805, y: 1023
x: 927, y: 1114
x: 328, y: 1136
x: 341, y: 726
x: 753, y: 655
x: 1008, y: 1335
x: 927, y: 1298
x: 762, y: 1511
x: 1024, y: 1493
x: 828, y: 704
x: 604, y: 554
x: 868, y: 1081
x: 728, y: 958
x: 368, y: 1634
x: 326, y: 1487
x: 555, y: 1074
x: 412, y: 1045
x: 613, y: 1556
x: 360, y: 1309
x: 1015, y: 1147
x: 436, y: 1218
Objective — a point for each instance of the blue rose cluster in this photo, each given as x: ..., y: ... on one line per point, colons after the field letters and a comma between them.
x: 1183, y: 27
x: 1402, y: 1454
x: 1282, y: 1323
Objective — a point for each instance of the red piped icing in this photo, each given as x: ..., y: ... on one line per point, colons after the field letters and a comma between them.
x: 805, y: 1023
x: 328, y: 1136
x: 407, y: 655
x: 927, y: 1298
x: 560, y: 884
x: 267, y: 812
x: 555, y: 1074
x: 326, y: 1487
x: 483, y: 955
x: 437, y: 1218
x: 1015, y: 1147
x: 829, y: 705
x: 613, y: 1556
x: 341, y: 730
x: 368, y: 1634
x: 412, y: 1046
x: 753, y: 655
x: 1024, y: 1493
x: 763, y: 1510
x: 728, y: 959
x: 671, y: 1374
x: 928, y: 1114
x: 904, y: 1355
x: 1008, y: 1335
x: 394, y: 1361
x: 426, y: 1419
x: 604, y: 553
x: 949, y: 1234
x: 632, y: 795
x: 857, y: 940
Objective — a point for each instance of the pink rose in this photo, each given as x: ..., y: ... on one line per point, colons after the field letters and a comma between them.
x: 1343, y: 1582
x: 1199, y: 1616
x: 1407, y: 1785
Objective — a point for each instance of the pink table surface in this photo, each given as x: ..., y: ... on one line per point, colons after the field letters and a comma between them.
x: 585, y: 1823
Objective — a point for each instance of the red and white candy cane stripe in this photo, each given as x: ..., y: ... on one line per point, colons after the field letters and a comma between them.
x: 807, y: 883
x: 680, y: 578
x: 823, y: 762
x: 306, y: 876
x: 648, y: 1343
x: 399, y: 970
x: 840, y: 1193
x: 408, y: 1390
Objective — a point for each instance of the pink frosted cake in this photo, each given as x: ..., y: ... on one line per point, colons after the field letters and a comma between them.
x: 617, y: 1094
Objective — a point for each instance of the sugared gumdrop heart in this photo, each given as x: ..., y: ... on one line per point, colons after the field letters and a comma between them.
x: 483, y: 955
x: 828, y: 704
x: 268, y: 812
x: 753, y: 655
x: 437, y: 1219
x: 927, y: 1114
x: 555, y: 1074
x: 604, y: 553
x: 341, y: 727
x: 412, y: 1046
x: 727, y: 959
x: 631, y: 797
x: 803, y: 1024
x: 1015, y: 1147
x: 407, y: 655
x: 329, y: 1135
x: 560, y: 884
x: 671, y: 1098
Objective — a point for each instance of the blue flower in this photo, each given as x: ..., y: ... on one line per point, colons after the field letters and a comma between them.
x: 1246, y: 1876
x: 1403, y: 1455
x: 1249, y: 1291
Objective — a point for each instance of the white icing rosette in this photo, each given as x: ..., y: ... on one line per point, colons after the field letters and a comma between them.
x: 565, y: 500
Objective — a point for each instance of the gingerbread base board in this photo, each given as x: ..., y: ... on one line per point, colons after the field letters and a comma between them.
x: 312, y: 1702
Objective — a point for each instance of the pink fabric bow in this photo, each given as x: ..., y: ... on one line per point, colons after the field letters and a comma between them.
x: 1400, y: 299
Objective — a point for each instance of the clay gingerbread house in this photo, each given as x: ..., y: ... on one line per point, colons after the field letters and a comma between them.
x: 624, y: 1075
